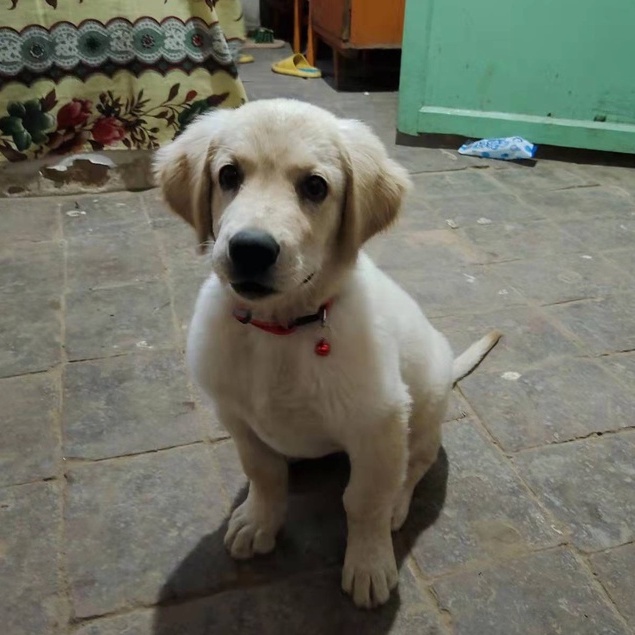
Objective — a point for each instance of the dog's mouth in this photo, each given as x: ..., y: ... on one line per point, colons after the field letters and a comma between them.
x: 252, y: 290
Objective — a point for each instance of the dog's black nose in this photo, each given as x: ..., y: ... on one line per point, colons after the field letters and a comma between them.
x: 253, y: 252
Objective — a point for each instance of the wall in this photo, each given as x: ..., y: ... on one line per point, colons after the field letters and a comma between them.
x: 251, y: 9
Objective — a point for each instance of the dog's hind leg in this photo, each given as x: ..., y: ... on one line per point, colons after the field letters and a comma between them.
x: 424, y: 443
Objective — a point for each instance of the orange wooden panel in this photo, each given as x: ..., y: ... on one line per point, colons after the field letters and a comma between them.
x: 328, y: 16
x: 376, y: 24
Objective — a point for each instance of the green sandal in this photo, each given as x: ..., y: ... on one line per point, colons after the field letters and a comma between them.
x: 262, y: 38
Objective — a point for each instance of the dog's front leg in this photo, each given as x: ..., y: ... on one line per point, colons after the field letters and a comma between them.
x: 378, y: 463
x: 254, y: 524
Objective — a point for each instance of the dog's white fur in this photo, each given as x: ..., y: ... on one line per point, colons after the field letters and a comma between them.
x: 381, y: 394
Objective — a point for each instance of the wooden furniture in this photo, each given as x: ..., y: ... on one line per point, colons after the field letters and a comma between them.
x: 349, y: 25
x: 557, y: 73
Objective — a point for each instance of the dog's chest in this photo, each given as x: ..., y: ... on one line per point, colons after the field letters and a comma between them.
x: 292, y: 398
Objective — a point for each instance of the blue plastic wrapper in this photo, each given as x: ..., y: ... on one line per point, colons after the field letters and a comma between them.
x: 507, y: 148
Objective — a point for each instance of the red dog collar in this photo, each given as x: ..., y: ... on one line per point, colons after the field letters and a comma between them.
x: 322, y: 347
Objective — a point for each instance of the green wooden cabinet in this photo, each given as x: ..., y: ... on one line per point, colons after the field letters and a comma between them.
x: 558, y: 72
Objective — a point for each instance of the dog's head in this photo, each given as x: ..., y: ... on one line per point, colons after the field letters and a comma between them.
x: 286, y: 191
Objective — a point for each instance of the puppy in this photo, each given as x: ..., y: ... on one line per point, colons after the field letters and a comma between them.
x: 303, y: 344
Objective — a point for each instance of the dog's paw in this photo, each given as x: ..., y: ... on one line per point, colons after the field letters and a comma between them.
x: 370, y: 575
x: 250, y: 532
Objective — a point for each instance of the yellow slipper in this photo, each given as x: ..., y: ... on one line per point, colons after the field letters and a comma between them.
x: 245, y: 58
x: 297, y: 66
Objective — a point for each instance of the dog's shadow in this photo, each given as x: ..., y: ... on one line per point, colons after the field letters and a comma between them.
x: 296, y: 589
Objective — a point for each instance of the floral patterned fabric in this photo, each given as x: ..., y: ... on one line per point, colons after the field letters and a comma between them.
x: 88, y: 74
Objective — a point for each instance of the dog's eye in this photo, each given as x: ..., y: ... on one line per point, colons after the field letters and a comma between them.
x: 230, y: 177
x: 314, y: 188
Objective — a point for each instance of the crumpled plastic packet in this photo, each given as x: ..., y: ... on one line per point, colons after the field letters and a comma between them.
x: 506, y: 148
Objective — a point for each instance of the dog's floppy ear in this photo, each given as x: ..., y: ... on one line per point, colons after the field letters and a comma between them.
x: 376, y: 185
x: 182, y: 171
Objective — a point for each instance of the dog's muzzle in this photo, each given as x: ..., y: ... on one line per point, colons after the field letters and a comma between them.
x: 252, y: 254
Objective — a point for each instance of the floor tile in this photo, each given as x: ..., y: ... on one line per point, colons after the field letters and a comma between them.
x: 29, y: 438
x: 528, y: 338
x: 543, y: 593
x: 313, y: 604
x: 561, y: 278
x: 102, y: 214
x: 501, y: 241
x: 622, y: 366
x: 604, y: 202
x: 30, y: 530
x: 130, y: 523
x: 487, y: 511
x: 441, y: 290
x: 30, y: 333
x: 623, y: 258
x: 542, y: 405
x: 542, y: 176
x: 101, y: 261
x: 615, y: 570
x: 107, y: 322
x: 34, y: 268
x: 30, y: 220
x: 499, y: 207
x: 602, y: 326
x: 128, y: 404
x: 589, y: 486
x: 462, y: 183
x: 421, y: 251
x: 602, y: 233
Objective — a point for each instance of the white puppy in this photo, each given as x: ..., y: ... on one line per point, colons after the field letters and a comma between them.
x: 303, y: 344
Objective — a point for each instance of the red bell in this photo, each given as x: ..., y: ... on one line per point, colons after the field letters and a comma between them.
x: 323, y: 348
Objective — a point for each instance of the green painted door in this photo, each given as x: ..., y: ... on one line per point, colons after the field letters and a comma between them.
x: 558, y: 72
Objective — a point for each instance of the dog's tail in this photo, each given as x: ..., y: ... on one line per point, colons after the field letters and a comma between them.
x: 467, y: 361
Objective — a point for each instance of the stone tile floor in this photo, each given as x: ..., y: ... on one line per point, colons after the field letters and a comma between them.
x: 115, y: 483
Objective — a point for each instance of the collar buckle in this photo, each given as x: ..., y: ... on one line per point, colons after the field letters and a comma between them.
x: 242, y: 315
